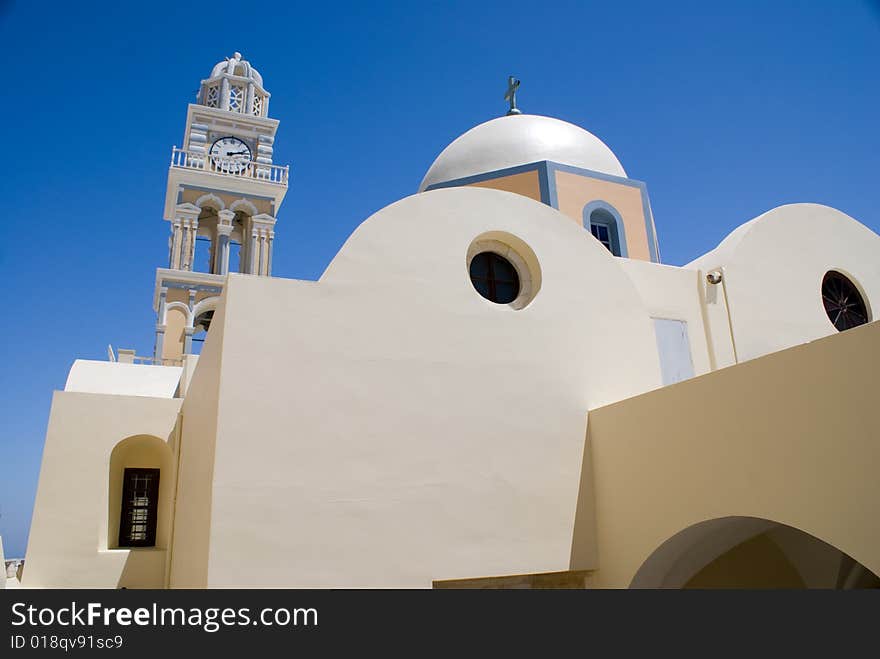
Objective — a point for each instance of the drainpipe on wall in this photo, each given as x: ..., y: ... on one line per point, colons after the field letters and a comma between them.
x: 729, y: 318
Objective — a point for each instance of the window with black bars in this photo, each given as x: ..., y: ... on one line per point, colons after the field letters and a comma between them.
x: 140, y: 498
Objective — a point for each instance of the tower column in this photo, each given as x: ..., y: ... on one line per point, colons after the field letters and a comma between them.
x: 269, y: 258
x: 174, y: 248
x: 262, y: 230
x: 224, y: 93
x: 160, y: 327
x: 159, y: 347
x: 192, y: 229
x: 254, y: 251
x: 249, y: 102
x: 188, y: 330
x: 185, y: 222
x: 188, y: 340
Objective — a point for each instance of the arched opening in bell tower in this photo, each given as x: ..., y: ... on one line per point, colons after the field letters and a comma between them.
x: 206, y: 259
x: 213, y: 229
x: 236, y: 240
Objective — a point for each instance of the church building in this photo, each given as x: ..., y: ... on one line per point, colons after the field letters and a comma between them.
x: 496, y: 383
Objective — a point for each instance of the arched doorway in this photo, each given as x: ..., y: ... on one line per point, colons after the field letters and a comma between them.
x: 749, y: 552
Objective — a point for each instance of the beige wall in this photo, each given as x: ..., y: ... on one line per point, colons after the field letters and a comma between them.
x: 67, y: 545
x: 791, y: 438
x: 192, y: 524
x: 524, y: 183
x: 574, y: 191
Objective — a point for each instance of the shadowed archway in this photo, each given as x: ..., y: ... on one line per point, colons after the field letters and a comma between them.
x: 750, y: 552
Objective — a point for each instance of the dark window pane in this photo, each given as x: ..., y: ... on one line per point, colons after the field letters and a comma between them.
x: 482, y: 286
x: 600, y: 231
x: 506, y: 293
x: 480, y: 265
x: 494, y: 277
x: 503, y: 270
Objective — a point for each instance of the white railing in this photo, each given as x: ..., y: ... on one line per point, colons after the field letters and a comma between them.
x: 276, y: 174
x: 128, y: 356
x: 156, y: 361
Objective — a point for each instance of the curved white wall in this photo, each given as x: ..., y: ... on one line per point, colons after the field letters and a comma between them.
x: 391, y: 426
x: 773, y: 268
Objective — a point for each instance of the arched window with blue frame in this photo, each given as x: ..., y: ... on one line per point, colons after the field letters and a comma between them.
x: 604, y: 222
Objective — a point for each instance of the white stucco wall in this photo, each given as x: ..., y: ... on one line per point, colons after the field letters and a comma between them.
x: 773, y: 268
x: 97, y: 377
x: 387, y: 426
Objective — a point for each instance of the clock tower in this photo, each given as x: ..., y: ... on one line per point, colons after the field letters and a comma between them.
x: 221, y: 202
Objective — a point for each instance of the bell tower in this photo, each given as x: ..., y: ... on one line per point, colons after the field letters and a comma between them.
x: 221, y: 202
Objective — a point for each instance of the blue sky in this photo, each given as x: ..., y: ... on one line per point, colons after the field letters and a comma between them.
x: 724, y: 109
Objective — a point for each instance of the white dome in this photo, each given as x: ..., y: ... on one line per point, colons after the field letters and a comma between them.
x: 518, y: 140
x: 235, y: 65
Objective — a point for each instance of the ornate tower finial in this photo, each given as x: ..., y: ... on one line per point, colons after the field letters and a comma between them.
x: 512, y: 86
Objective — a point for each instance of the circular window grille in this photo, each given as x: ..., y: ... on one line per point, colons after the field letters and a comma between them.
x: 843, y: 302
x: 494, y: 277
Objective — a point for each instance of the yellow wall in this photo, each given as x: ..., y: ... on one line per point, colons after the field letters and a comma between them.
x: 574, y: 191
x: 791, y: 437
x: 524, y: 183
x: 192, y: 523
x: 67, y: 545
x: 173, y: 344
x: 176, y: 321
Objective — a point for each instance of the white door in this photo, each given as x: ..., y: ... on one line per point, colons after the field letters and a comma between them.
x: 675, y: 350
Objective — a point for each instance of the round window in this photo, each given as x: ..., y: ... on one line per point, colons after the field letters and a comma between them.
x: 843, y: 302
x: 494, y: 277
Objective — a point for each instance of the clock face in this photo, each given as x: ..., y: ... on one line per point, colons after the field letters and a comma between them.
x: 230, y: 154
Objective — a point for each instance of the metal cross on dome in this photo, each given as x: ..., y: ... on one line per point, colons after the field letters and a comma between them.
x: 512, y: 86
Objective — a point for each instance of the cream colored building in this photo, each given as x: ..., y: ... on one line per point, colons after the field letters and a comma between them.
x: 495, y: 383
